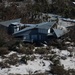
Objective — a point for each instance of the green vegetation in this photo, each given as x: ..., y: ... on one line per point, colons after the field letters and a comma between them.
x: 29, y: 11
x: 41, y: 51
x: 24, y: 59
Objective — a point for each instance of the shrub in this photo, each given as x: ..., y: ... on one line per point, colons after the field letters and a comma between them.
x: 22, y: 48
x: 30, y: 46
x: 4, y: 65
x: 25, y: 50
x: 52, y: 57
x: 59, y: 70
x: 12, y: 59
x: 2, y: 42
x: 24, y: 59
x: 3, y: 50
x: 71, y: 71
x: 41, y: 51
x: 32, y: 58
x: 63, y: 57
x: 13, y: 45
x: 59, y: 43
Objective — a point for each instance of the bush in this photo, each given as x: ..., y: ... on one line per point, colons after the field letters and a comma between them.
x: 32, y: 58
x: 25, y: 50
x: 41, y: 51
x: 58, y: 43
x: 12, y: 59
x: 58, y: 70
x: 24, y: 59
x: 4, y: 65
x: 3, y: 50
x: 30, y: 46
x: 13, y: 45
x: 2, y: 42
x: 71, y: 71
x: 22, y: 48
